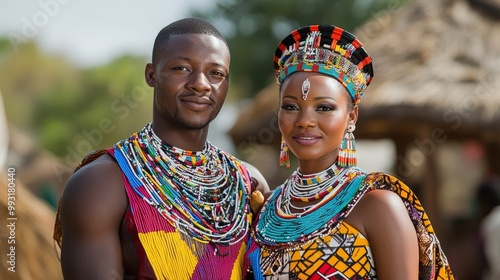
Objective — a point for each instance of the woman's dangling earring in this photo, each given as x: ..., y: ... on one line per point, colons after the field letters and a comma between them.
x: 347, y: 149
x: 284, y: 157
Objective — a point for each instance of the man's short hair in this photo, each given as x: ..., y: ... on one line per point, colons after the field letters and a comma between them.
x: 184, y: 26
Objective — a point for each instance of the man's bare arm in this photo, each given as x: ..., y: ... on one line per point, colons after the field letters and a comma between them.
x: 92, y: 207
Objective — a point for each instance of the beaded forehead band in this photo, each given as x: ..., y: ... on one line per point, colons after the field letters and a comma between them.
x: 325, y: 49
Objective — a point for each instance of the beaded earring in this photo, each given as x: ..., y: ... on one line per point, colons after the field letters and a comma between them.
x: 347, y: 149
x: 284, y: 157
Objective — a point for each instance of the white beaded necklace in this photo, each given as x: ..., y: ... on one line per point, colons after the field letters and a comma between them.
x: 318, y: 188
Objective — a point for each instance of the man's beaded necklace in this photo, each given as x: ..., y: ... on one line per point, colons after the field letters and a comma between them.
x: 335, y: 192
x: 204, y: 194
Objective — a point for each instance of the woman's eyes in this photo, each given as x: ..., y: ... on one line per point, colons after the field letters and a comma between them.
x: 325, y: 108
x: 321, y: 108
x: 289, y: 107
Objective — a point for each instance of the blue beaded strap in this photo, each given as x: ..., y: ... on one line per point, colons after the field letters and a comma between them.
x: 274, y: 229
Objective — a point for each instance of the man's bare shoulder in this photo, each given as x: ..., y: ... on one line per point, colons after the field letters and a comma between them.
x: 95, y: 192
x: 102, y: 174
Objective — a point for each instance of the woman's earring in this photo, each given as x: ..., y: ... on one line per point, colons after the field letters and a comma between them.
x: 284, y: 158
x: 347, y: 149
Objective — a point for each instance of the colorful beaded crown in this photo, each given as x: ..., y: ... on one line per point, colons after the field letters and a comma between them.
x: 329, y: 50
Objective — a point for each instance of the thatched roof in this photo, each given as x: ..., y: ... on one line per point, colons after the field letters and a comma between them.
x: 257, y: 121
x: 437, y: 63
x: 35, y: 257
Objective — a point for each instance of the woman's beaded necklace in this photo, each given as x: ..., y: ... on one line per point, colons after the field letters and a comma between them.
x: 310, y: 188
x: 335, y: 192
x: 204, y: 194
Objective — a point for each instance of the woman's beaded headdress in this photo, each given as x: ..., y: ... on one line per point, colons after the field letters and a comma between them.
x: 329, y: 50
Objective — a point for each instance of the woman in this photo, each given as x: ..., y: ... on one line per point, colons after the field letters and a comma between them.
x: 330, y: 219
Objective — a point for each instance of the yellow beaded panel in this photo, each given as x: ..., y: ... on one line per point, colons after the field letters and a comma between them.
x: 173, y: 251
x: 238, y: 264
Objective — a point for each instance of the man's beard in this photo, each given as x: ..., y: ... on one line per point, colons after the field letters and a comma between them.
x: 188, y: 124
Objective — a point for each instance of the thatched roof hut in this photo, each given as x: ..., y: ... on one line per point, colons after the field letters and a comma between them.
x: 437, y: 80
x: 437, y: 66
x: 26, y: 234
x: 28, y: 221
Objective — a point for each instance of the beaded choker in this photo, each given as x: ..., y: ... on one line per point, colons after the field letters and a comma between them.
x: 204, y: 194
x: 335, y: 192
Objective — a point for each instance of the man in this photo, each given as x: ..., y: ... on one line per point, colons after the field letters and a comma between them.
x: 164, y: 203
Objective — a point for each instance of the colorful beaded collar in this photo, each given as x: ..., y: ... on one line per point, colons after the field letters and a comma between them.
x: 204, y: 194
x: 336, y: 192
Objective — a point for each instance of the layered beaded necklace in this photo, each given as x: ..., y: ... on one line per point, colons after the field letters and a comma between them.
x: 204, y: 194
x: 334, y: 192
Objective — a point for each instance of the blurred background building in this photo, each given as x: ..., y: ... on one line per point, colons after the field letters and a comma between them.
x: 71, y: 80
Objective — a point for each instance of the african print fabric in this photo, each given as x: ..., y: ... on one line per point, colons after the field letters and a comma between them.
x: 344, y: 253
x: 433, y: 263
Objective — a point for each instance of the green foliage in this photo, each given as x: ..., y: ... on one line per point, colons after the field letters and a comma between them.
x: 111, y: 102
x: 71, y: 109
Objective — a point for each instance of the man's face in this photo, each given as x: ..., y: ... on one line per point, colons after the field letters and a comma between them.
x: 191, y: 80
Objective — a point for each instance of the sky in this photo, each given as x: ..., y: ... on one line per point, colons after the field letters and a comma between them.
x: 91, y: 32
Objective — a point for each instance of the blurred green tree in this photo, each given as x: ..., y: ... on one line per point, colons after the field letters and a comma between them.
x: 106, y: 104
x: 68, y: 109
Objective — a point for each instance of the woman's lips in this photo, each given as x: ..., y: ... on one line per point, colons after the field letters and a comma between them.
x: 306, y: 139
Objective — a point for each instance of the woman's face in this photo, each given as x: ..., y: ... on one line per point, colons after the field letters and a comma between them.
x: 313, y: 128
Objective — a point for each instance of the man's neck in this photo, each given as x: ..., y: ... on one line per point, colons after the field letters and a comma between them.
x: 186, y: 139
